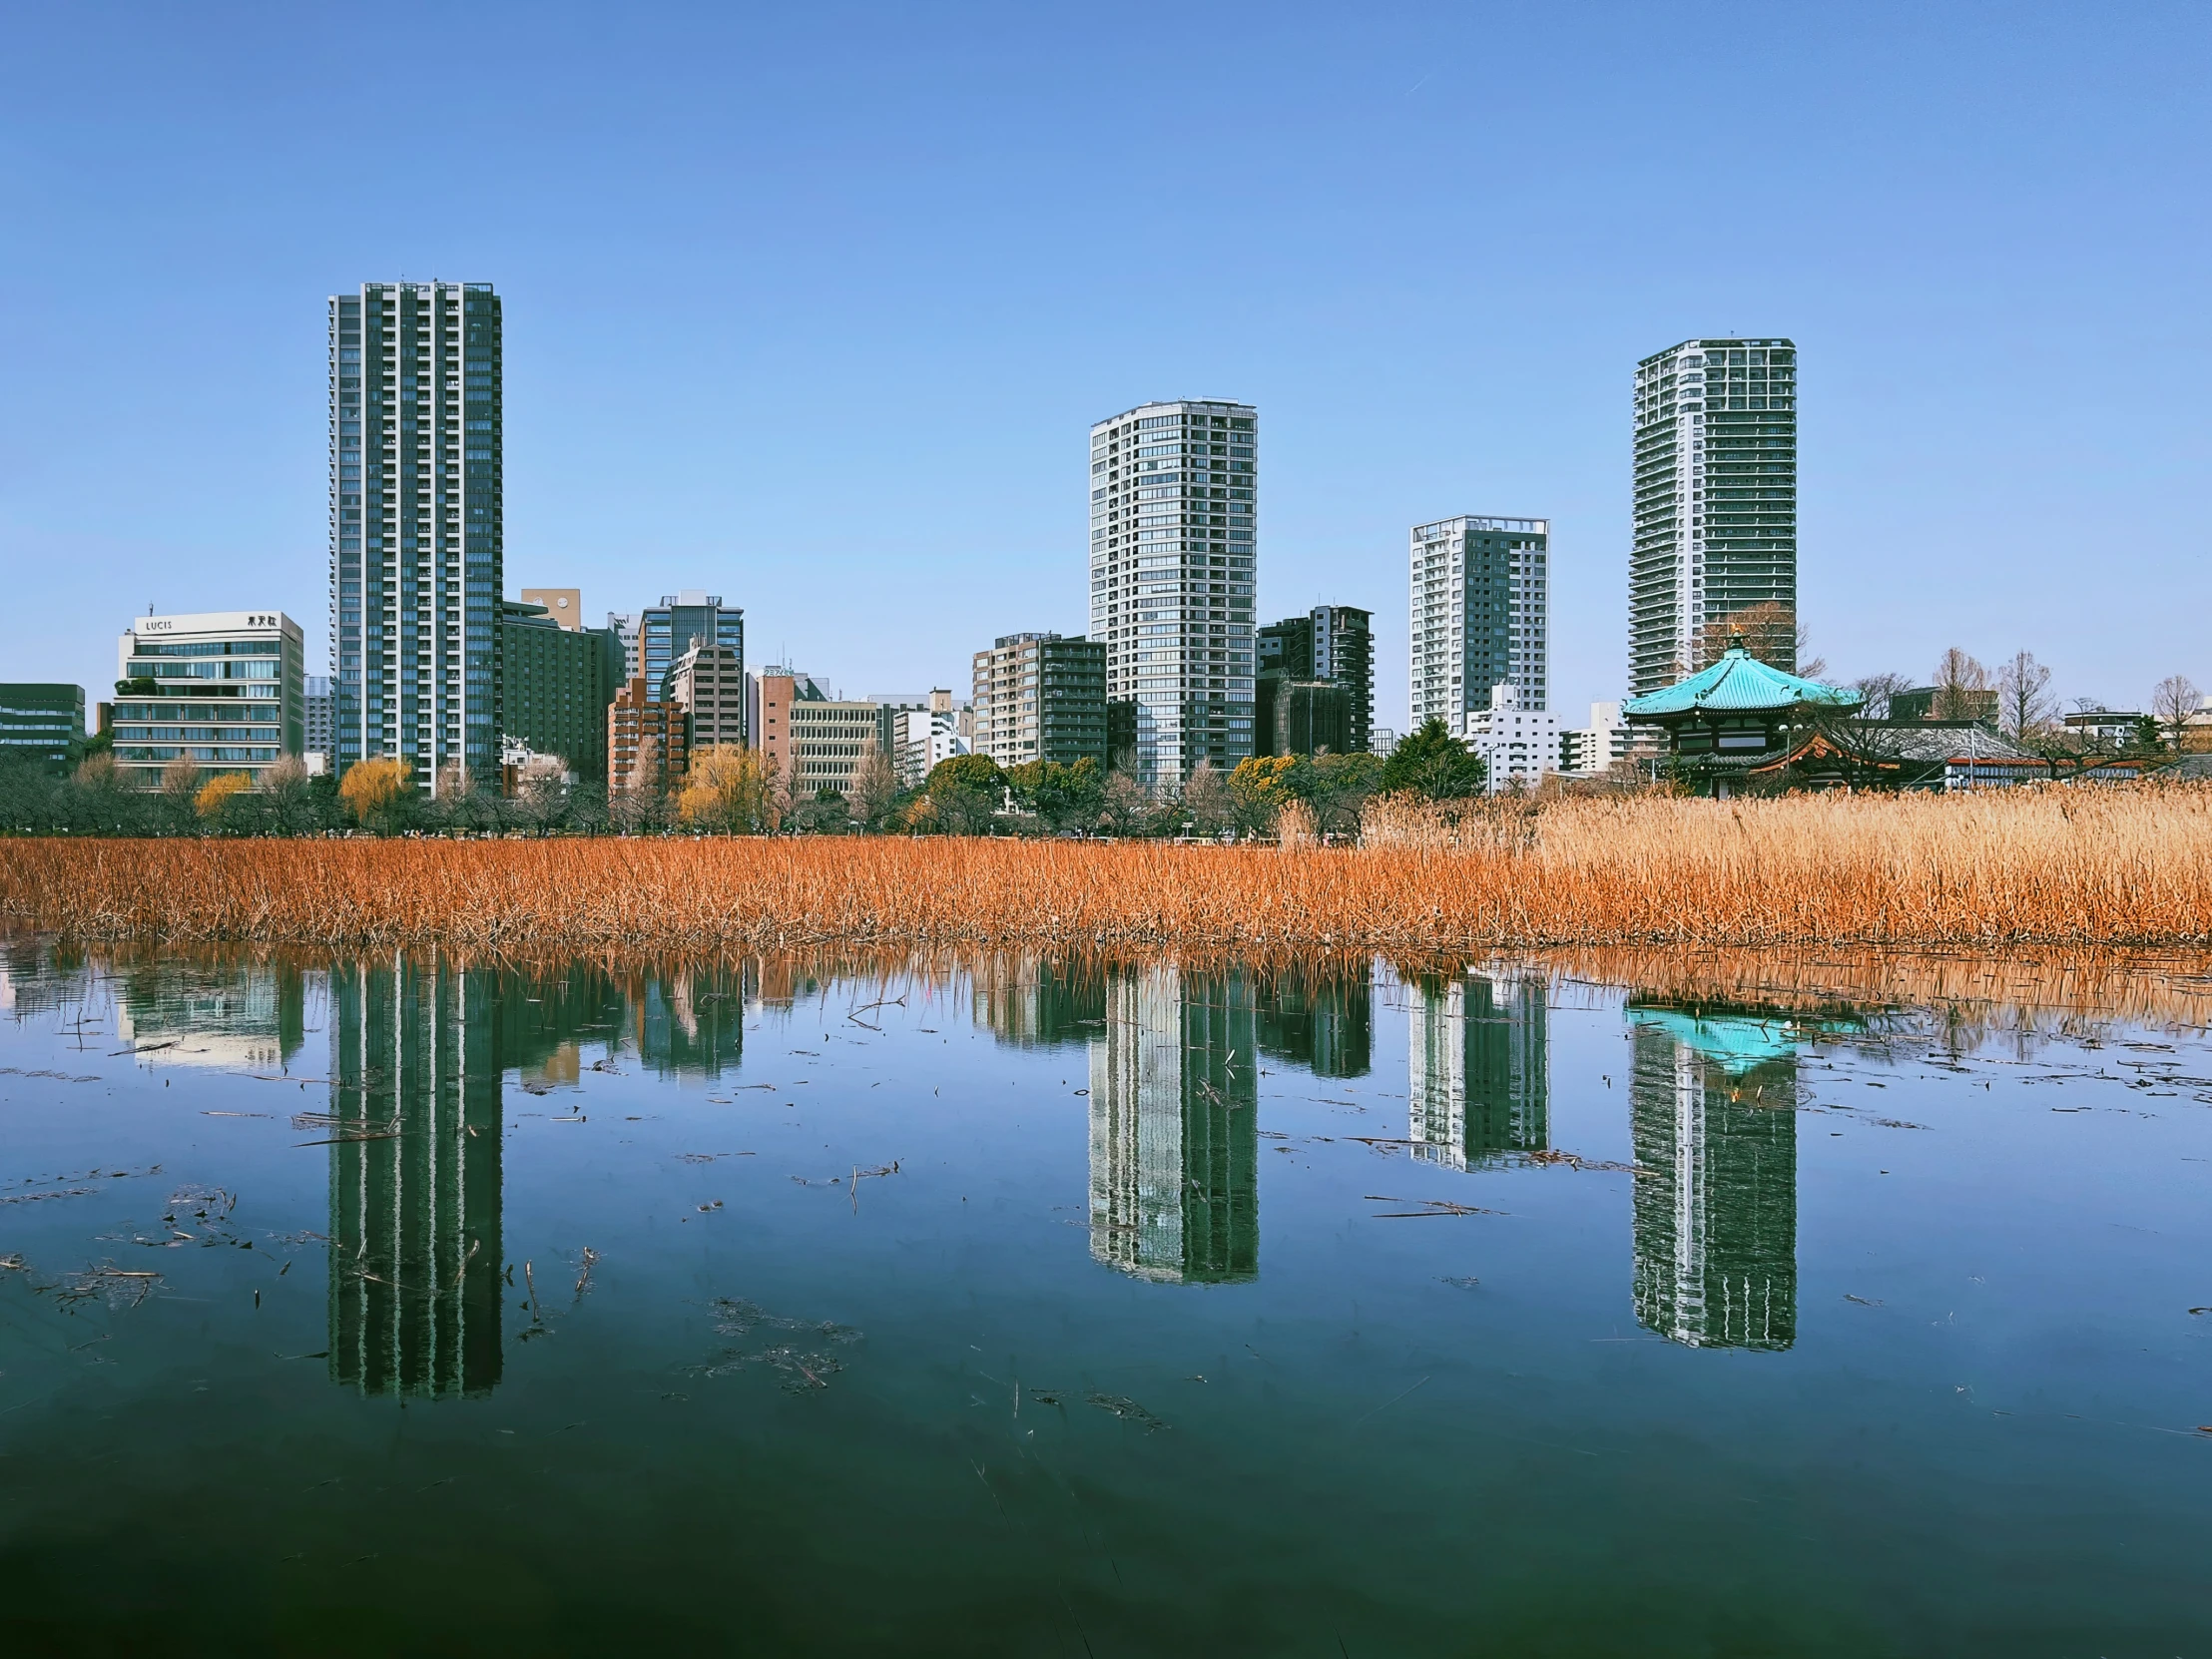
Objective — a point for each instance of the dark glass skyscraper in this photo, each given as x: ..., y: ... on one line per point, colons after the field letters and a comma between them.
x: 416, y: 529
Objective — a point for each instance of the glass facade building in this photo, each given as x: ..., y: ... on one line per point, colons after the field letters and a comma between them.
x: 41, y: 720
x: 1716, y: 502
x: 417, y: 543
x: 558, y: 683
x: 224, y: 688
x: 1329, y: 641
x: 678, y: 622
x: 1174, y: 488
x: 1480, y: 615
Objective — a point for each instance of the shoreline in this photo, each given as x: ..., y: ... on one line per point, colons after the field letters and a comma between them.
x: 2098, y: 871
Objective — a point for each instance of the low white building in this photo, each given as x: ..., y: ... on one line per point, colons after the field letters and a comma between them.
x: 921, y: 738
x: 1517, y: 744
x: 1594, y: 749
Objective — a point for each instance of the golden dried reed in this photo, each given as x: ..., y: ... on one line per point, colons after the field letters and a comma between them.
x: 2062, y: 867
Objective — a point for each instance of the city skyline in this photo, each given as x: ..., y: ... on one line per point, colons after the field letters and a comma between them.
x: 886, y: 293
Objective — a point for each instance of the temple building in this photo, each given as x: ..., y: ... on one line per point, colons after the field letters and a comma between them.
x: 1740, y: 715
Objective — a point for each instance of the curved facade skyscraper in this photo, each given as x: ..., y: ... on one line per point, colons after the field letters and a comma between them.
x: 1173, y: 492
x: 1715, y: 505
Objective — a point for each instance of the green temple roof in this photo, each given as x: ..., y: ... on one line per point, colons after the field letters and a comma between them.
x: 1739, y: 684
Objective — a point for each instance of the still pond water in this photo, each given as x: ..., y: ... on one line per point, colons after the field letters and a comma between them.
x: 1012, y: 1306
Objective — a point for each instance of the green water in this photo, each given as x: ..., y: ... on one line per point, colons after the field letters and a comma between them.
x: 380, y: 1305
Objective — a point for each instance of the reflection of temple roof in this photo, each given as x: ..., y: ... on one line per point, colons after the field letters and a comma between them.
x: 1738, y: 684
x: 1737, y: 1040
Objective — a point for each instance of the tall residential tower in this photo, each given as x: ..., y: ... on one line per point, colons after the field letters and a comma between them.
x: 416, y: 537
x: 1715, y: 505
x: 1173, y: 492
x: 1480, y: 617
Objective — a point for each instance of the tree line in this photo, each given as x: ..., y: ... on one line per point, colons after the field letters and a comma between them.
x: 732, y: 791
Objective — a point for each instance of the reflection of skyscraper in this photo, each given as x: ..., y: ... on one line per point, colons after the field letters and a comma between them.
x: 416, y: 1177
x: 1477, y: 1079
x: 1036, y: 1003
x: 1713, y: 1119
x: 689, y: 1022
x: 1323, y: 1020
x: 242, y: 1009
x: 1175, y: 1135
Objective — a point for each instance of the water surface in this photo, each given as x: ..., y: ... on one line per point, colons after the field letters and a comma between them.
x: 1028, y: 1307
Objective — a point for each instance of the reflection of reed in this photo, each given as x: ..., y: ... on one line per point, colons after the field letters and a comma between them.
x: 1970, y: 995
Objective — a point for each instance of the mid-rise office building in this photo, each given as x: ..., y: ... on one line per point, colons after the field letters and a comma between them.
x: 922, y: 737
x: 1715, y: 504
x: 1174, y: 492
x: 1331, y: 642
x: 830, y: 738
x: 707, y: 683
x: 809, y: 740
x: 416, y: 525
x: 41, y: 723
x: 559, y: 681
x: 1480, y: 615
x: 647, y: 747
x: 769, y: 697
x: 224, y: 688
x: 681, y: 621
x: 1039, y: 697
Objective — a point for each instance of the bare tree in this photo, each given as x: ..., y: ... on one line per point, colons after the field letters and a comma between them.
x: 2024, y: 703
x: 874, y: 787
x: 1207, y: 799
x: 1123, y: 806
x: 1874, y: 692
x: 1962, y: 684
x: 1770, y: 631
x: 2171, y: 704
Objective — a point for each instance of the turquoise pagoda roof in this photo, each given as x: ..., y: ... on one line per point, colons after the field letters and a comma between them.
x: 1739, y: 684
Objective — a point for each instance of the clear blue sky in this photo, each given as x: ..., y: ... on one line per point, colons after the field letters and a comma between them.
x: 812, y: 304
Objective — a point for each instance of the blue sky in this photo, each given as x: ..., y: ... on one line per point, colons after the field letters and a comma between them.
x: 813, y: 306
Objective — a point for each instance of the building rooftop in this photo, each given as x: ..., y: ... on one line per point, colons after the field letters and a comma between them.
x: 1739, y: 684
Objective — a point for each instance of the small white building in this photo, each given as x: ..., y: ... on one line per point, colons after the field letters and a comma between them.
x: 1517, y: 744
x: 921, y: 738
x: 1591, y: 751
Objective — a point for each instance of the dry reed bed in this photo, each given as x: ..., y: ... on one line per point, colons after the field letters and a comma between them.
x: 2075, y: 867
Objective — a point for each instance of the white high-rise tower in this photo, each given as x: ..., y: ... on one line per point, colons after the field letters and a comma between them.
x: 1173, y: 492
x: 1716, y: 506
x: 1480, y: 617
